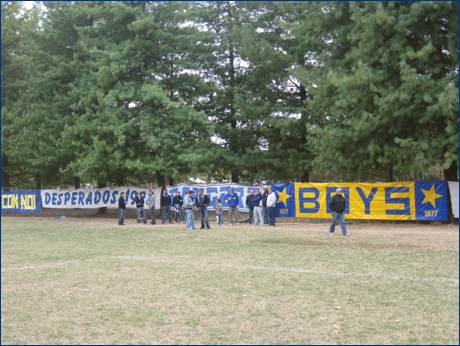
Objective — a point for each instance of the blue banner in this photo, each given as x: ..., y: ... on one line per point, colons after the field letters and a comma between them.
x: 285, y: 200
x: 431, y: 200
x: 21, y: 201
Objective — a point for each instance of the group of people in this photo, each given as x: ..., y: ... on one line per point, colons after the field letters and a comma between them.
x: 261, y: 207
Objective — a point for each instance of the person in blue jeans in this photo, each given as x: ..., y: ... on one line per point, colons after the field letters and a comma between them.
x: 188, y: 207
x: 219, y: 215
x: 338, y: 205
x: 202, y: 201
x: 140, y: 208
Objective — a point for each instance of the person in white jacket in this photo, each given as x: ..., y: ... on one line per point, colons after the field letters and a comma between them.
x: 271, y: 204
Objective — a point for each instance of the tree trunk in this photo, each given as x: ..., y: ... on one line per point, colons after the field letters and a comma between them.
x: 76, y: 182
x: 233, y: 134
x: 389, y: 177
x: 235, y: 178
x: 305, y: 177
x: 171, y: 181
x: 120, y: 179
x: 161, y: 180
x: 451, y: 174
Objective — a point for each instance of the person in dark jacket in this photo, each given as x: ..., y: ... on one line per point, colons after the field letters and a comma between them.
x: 177, y: 203
x: 202, y: 201
x: 250, y: 205
x: 165, y: 203
x: 121, y: 209
x: 258, y: 208
x: 264, y: 204
x: 140, y: 208
x: 338, y: 204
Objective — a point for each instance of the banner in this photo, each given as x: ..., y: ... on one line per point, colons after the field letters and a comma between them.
x: 21, y: 201
x: 108, y: 197
x: 421, y: 200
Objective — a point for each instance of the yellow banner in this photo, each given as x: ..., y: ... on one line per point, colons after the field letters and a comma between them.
x: 382, y: 201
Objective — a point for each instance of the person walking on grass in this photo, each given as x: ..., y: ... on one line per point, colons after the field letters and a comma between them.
x: 233, y: 201
x: 151, y: 205
x: 271, y: 204
x: 188, y: 207
x: 338, y: 204
x: 121, y: 209
x: 202, y: 201
x: 140, y: 208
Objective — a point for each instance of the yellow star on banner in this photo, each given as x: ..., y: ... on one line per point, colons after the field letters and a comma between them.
x: 430, y: 196
x: 283, y: 196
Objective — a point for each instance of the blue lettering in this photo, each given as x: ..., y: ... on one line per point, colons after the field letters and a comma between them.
x: 74, y: 198
x: 47, y: 198
x: 212, y: 194
x: 367, y: 200
x: 97, y: 197
x: 106, y: 196
x: 81, y: 196
x: 66, y: 197
x: 240, y: 192
x: 224, y: 190
x: 304, y: 200
x: 114, y: 197
x: 390, y: 200
x: 89, y: 199
x: 54, y: 198
x: 133, y: 197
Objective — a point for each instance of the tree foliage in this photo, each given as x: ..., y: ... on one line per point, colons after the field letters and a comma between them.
x: 135, y: 92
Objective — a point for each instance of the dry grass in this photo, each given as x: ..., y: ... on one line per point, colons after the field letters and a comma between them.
x: 89, y: 281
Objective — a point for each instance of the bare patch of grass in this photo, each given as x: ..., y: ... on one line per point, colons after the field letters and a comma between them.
x: 77, y: 281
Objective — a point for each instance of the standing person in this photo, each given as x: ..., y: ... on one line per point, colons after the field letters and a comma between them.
x: 151, y: 205
x: 233, y: 201
x: 219, y: 215
x: 264, y: 203
x: 140, y: 209
x: 189, y: 216
x: 165, y: 203
x: 250, y: 205
x: 338, y: 205
x: 121, y: 209
x: 271, y: 204
x: 202, y: 201
x: 177, y: 203
x: 258, y: 208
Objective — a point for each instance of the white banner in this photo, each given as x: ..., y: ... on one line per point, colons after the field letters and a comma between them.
x: 108, y: 197
x: 453, y: 189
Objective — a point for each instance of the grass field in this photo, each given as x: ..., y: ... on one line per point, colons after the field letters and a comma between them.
x: 89, y: 281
